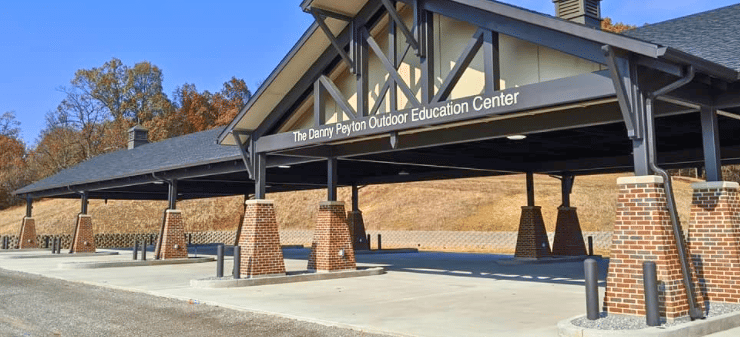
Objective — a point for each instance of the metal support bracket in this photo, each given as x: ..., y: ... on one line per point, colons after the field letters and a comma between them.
x: 461, y: 65
x: 247, y: 156
x: 393, y: 13
x: 319, y: 17
x: 624, y: 97
x: 331, y: 88
x: 391, y: 69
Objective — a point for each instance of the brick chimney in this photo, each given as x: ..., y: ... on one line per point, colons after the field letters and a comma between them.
x: 137, y: 136
x: 587, y: 12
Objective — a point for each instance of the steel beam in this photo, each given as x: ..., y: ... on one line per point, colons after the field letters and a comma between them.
x: 461, y: 65
x: 319, y: 104
x: 390, y: 68
x: 530, y: 189
x: 336, y: 94
x: 425, y: 28
x: 29, y: 206
x: 246, y: 155
x: 338, y: 46
x: 491, y: 62
x: 260, y: 184
x: 710, y: 142
x: 332, y: 179
x: 363, y: 74
x: 395, y: 17
x: 172, y: 194
x: 355, y: 198
x: 83, y: 202
x: 566, y: 186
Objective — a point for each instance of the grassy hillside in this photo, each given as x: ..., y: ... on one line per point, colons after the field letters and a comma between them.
x: 475, y: 204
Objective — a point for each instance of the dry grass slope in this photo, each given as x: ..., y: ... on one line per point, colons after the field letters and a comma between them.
x: 475, y: 204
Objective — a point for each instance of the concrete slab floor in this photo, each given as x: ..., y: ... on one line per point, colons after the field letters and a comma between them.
x: 424, y: 294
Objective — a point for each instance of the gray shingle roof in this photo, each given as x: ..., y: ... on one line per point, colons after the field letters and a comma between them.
x: 713, y: 35
x: 185, y: 151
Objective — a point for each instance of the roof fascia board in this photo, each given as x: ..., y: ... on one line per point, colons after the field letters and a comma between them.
x: 701, y: 65
x: 283, y: 63
x: 534, y: 19
x: 306, y: 4
x: 308, y: 79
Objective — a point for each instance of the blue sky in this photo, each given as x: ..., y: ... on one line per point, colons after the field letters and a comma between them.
x: 42, y: 43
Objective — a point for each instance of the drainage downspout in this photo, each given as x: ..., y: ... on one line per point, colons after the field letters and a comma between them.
x: 694, y: 311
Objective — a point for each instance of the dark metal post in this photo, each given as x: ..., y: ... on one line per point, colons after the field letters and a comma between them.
x: 58, y: 245
x: 368, y: 241
x: 29, y: 206
x: 355, y: 199
x: 332, y: 179
x: 172, y: 195
x: 361, y: 68
x: 380, y: 242
x: 260, y: 184
x: 650, y: 281
x: 592, y: 289
x: 710, y: 140
x: 566, y: 183
x: 491, y: 62
x: 530, y: 189
x: 83, y: 201
x: 590, y: 245
x: 143, y: 251
x: 220, y: 260
x: 237, y: 262
x: 136, y: 250
x: 46, y: 241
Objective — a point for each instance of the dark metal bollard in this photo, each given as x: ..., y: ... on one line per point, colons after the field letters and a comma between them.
x: 590, y: 246
x: 143, y: 251
x: 190, y: 239
x: 368, y: 241
x: 380, y: 243
x: 592, y: 289
x: 5, y: 242
x: 220, y: 260
x: 650, y: 281
x: 136, y: 250
x: 237, y: 262
x: 46, y: 241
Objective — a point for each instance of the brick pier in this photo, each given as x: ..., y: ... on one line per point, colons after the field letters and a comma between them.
x: 714, y: 240
x: 28, y: 234
x: 568, y: 239
x: 331, y: 249
x: 643, y: 232
x: 532, y: 239
x: 173, y: 244
x: 357, y: 230
x: 261, y: 254
x: 84, y: 237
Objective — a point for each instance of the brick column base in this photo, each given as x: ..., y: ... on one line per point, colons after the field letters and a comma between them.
x: 357, y: 230
x: 332, y: 246
x: 568, y: 239
x: 531, y: 241
x: 643, y: 232
x: 27, y: 238
x: 84, y: 237
x: 173, y: 237
x: 714, y: 240
x: 261, y: 254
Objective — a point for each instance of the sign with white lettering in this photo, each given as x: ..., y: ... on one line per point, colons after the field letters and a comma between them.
x: 567, y: 90
x: 428, y: 115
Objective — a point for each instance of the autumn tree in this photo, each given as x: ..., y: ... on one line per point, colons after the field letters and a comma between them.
x: 13, y: 173
x: 230, y: 100
x: 619, y: 27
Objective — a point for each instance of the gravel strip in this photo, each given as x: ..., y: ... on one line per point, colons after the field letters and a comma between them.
x: 32, y: 305
x: 627, y: 322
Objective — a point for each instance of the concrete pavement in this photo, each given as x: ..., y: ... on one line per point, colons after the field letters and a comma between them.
x: 424, y: 294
